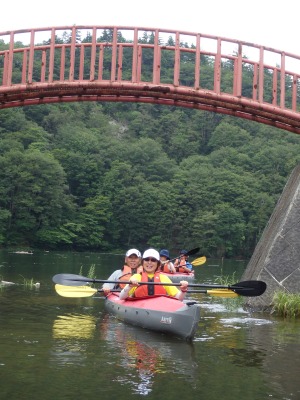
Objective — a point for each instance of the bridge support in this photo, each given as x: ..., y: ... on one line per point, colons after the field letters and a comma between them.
x: 276, y: 259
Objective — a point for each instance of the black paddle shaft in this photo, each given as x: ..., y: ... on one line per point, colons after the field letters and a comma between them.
x: 252, y: 288
x: 189, y: 253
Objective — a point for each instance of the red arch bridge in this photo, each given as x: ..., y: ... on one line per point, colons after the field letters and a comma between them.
x: 150, y: 65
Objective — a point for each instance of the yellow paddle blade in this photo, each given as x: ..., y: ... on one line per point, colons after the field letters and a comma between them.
x: 75, y: 291
x: 222, y: 293
x: 198, y: 261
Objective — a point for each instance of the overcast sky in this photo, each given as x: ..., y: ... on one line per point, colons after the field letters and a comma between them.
x: 265, y: 22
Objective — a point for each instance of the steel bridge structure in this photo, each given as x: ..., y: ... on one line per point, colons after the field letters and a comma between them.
x: 150, y: 65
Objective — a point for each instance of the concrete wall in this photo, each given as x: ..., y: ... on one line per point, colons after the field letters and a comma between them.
x: 276, y: 259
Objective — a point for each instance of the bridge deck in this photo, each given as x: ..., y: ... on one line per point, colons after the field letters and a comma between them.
x: 104, y: 63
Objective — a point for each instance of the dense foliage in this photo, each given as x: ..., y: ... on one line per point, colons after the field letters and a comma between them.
x: 106, y: 176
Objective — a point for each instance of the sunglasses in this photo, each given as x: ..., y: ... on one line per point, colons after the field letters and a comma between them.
x: 150, y: 259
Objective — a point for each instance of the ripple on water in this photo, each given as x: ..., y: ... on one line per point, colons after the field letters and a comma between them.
x: 220, y: 308
x: 237, y: 321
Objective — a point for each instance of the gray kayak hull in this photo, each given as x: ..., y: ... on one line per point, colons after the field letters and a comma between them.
x: 158, y: 313
x: 177, y: 277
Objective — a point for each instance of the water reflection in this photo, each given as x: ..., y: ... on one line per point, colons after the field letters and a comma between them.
x: 143, y: 355
x: 267, y: 346
x: 72, y: 326
x: 71, y: 333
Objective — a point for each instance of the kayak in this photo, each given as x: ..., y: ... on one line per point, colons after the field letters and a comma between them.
x: 181, y: 276
x: 157, y: 313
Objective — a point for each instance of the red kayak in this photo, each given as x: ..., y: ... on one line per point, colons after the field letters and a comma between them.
x: 157, y: 313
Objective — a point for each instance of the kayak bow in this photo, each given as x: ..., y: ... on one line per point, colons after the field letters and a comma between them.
x: 159, y: 313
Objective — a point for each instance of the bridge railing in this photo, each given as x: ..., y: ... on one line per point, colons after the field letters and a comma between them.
x: 115, y: 56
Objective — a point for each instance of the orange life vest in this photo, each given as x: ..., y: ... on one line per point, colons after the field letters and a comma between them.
x: 165, y: 268
x: 150, y: 290
x: 127, y: 273
x: 178, y: 266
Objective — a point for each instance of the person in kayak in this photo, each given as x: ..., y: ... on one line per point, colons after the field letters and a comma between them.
x: 166, y: 265
x: 131, y: 266
x: 151, y: 273
x: 181, y: 264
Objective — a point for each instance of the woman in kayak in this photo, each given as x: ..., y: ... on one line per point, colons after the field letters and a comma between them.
x: 181, y: 264
x: 166, y: 265
x: 151, y: 273
x: 131, y: 266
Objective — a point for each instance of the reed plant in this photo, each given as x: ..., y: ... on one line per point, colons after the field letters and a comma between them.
x: 230, y: 303
x: 226, y: 279
x: 29, y: 283
x: 286, y: 304
x: 91, y: 274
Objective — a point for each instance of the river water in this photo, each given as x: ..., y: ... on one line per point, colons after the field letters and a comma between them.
x: 53, y: 347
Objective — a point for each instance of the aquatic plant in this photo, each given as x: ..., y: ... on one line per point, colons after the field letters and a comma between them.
x: 91, y: 272
x: 226, y: 279
x: 230, y: 303
x: 286, y: 304
x: 29, y: 283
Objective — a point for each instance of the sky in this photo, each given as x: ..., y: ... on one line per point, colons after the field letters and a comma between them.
x: 264, y: 22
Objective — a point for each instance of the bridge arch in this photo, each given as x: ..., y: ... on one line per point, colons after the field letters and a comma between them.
x: 50, y: 65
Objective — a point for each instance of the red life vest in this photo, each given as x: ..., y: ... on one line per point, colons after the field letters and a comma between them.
x: 150, y: 290
x: 127, y: 273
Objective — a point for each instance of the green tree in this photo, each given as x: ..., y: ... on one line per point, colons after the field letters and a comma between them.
x: 93, y: 220
x: 34, y: 191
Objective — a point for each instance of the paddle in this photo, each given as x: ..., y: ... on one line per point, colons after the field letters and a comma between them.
x: 87, y: 291
x: 247, y: 288
x: 198, y: 261
x: 78, y: 291
x: 189, y: 253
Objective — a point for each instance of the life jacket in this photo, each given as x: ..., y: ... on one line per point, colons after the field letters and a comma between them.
x: 179, y: 268
x: 165, y: 268
x: 150, y: 290
x: 127, y: 273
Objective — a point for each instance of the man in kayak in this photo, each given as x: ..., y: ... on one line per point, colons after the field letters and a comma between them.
x: 181, y: 264
x: 151, y: 273
x: 166, y: 265
x: 131, y: 266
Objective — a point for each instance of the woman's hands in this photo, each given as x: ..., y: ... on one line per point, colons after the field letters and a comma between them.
x: 184, y: 286
x: 133, y: 283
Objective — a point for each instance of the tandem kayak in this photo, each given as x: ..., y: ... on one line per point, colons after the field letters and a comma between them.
x: 181, y: 276
x: 158, y: 313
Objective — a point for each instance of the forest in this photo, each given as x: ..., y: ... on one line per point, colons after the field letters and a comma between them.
x: 109, y: 176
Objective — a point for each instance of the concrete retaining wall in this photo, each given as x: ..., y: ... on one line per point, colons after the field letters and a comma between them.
x: 276, y: 259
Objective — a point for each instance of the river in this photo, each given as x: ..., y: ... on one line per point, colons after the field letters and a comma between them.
x: 53, y: 347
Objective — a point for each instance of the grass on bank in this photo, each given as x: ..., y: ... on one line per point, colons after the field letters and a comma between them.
x: 286, y: 304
